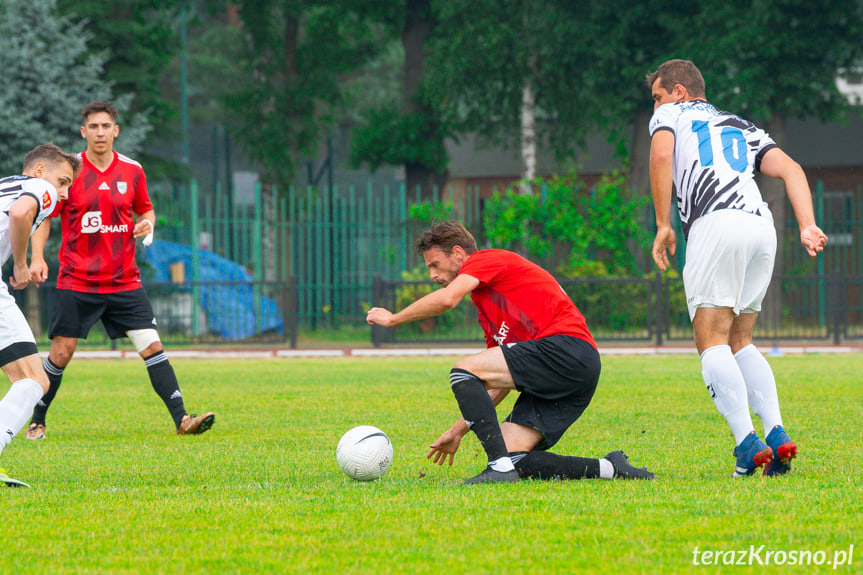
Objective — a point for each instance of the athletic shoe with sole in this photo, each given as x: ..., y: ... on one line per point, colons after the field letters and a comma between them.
x: 196, y: 424
x: 624, y: 469
x: 751, y: 454
x: 9, y: 481
x: 35, y: 431
x: 784, y: 450
x: 489, y: 475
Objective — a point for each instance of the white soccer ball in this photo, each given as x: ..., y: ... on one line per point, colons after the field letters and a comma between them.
x: 364, y: 453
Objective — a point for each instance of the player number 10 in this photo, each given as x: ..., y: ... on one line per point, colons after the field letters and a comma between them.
x: 733, y: 145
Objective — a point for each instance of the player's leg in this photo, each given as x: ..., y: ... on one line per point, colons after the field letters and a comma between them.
x: 130, y: 313
x: 557, y: 377
x: 74, y: 315
x: 762, y: 393
x: 538, y: 464
x: 20, y: 361
x: 760, y: 381
x: 468, y: 384
x: 726, y: 386
x: 718, y: 254
x: 62, y: 350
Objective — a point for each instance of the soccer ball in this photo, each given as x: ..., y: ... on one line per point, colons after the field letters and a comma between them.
x: 364, y: 453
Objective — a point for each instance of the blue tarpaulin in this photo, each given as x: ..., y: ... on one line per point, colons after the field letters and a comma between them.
x: 230, y: 307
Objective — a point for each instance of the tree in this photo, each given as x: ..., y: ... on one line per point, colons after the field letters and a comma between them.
x: 49, y: 73
x: 406, y: 131
x: 295, y: 58
x: 517, y: 74
x: 138, y: 40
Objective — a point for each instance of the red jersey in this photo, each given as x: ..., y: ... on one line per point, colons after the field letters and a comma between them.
x: 519, y: 301
x: 98, y: 251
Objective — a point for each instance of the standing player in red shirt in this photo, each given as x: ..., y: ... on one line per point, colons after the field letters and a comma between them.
x: 99, y: 279
x: 538, y: 344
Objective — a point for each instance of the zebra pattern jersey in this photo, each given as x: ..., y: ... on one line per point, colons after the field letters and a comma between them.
x: 11, y: 189
x: 715, y: 157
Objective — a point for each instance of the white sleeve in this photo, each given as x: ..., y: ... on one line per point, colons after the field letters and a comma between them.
x: 664, y: 118
x: 44, y: 193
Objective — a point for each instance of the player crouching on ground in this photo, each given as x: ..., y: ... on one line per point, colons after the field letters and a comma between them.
x: 538, y: 344
x: 25, y: 201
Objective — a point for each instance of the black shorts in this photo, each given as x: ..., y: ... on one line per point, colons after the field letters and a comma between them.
x: 556, y: 376
x: 76, y: 312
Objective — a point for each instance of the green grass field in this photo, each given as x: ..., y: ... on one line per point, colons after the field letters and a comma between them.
x: 114, y: 490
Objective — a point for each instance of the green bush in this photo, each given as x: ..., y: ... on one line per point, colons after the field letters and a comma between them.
x: 568, y: 229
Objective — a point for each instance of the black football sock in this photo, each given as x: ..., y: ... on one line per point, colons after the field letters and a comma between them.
x: 55, y: 377
x: 545, y: 465
x: 478, y: 410
x: 165, y: 383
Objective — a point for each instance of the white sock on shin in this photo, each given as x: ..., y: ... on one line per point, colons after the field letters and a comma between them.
x: 16, y: 407
x: 760, y: 386
x: 727, y: 388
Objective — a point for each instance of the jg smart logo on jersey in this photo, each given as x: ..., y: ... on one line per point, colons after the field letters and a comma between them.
x: 91, y: 223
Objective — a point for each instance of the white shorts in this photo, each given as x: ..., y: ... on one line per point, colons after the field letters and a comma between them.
x: 16, y: 338
x: 729, y: 261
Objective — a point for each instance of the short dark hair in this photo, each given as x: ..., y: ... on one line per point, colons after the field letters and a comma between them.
x: 681, y: 72
x: 51, y: 154
x: 98, y: 106
x: 446, y: 235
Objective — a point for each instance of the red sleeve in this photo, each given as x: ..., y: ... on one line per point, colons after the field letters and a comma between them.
x: 142, y: 201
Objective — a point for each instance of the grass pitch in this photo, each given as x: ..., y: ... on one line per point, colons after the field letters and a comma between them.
x: 114, y: 490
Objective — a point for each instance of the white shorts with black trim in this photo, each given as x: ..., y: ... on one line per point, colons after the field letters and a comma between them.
x: 16, y: 337
x: 729, y: 261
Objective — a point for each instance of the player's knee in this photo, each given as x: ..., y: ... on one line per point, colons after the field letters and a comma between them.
x: 62, y: 351
x: 146, y: 341
x: 467, y: 365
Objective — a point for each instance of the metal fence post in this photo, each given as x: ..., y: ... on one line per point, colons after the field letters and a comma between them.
x: 293, y: 310
x: 377, y: 297
x: 196, y: 255
x: 838, y: 305
x: 660, y: 295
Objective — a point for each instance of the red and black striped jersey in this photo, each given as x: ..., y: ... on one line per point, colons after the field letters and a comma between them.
x: 98, y: 251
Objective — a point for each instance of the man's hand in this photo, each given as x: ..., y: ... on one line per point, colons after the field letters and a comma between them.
x: 20, y: 276
x: 38, y: 271
x: 447, y: 444
x: 665, y: 240
x: 813, y: 239
x: 144, y: 229
x: 379, y: 316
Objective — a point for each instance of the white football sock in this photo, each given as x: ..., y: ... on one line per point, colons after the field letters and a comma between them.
x: 606, y: 469
x: 16, y: 407
x: 503, y: 464
x: 760, y: 386
x: 727, y: 388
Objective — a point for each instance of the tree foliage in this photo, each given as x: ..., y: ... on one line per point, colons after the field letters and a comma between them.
x: 49, y: 74
x: 569, y: 229
x: 407, y: 130
x: 778, y: 56
x: 295, y: 57
x: 483, y: 54
x: 138, y: 40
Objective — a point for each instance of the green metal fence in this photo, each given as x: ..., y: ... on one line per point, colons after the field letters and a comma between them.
x: 334, y: 242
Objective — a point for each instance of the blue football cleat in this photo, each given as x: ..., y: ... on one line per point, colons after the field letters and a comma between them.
x: 751, y: 454
x: 784, y: 450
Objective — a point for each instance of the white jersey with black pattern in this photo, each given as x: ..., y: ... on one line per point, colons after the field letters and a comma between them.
x: 715, y: 157
x: 11, y: 189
